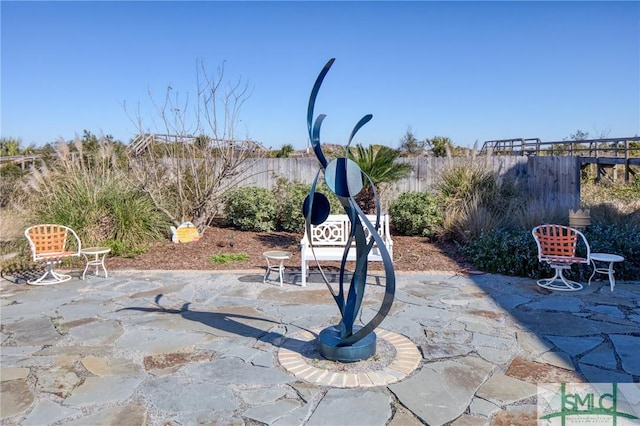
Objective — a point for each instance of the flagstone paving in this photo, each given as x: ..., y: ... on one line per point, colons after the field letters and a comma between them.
x: 183, y: 348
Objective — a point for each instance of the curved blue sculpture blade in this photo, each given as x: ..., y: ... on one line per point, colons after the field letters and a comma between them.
x: 315, y: 90
x: 345, y: 178
x: 315, y: 140
x: 390, y: 283
x: 364, y: 120
x: 314, y: 128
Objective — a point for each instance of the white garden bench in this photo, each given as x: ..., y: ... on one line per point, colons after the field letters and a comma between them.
x: 329, y: 240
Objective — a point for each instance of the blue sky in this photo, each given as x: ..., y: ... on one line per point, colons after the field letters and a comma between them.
x: 472, y: 71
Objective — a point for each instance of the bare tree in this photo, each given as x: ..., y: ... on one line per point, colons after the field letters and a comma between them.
x: 193, y: 158
x: 410, y: 145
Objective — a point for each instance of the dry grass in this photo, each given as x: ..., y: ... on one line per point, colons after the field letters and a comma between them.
x: 12, y: 225
x: 470, y: 219
x: 536, y: 211
x: 624, y: 198
x: 12, y: 241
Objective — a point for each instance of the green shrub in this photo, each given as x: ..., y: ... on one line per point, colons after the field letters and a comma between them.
x: 251, y: 209
x: 334, y: 201
x: 514, y: 252
x: 415, y: 213
x: 290, y: 196
x: 506, y: 252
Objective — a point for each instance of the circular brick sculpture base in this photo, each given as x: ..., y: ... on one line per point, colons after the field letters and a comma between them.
x: 407, y: 359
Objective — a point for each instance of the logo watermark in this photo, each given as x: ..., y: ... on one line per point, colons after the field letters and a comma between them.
x: 567, y: 404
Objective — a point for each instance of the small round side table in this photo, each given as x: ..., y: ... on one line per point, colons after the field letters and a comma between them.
x: 276, y: 256
x: 605, y: 257
x: 98, y: 253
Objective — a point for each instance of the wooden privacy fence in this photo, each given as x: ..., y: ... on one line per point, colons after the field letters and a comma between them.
x: 555, y: 180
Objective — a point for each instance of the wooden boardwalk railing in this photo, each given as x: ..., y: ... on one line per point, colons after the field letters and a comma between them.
x: 22, y: 160
x: 605, y: 154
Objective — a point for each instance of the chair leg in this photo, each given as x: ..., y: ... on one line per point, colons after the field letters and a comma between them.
x: 559, y: 282
x: 281, y: 272
x: 50, y: 277
x: 266, y: 273
x: 303, y: 272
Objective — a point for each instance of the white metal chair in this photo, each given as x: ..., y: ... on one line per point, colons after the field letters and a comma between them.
x: 50, y: 244
x: 557, y: 246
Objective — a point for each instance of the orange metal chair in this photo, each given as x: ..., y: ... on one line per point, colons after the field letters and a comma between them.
x: 50, y: 244
x: 557, y: 246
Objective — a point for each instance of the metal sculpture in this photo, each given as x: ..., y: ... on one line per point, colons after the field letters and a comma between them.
x: 347, y: 342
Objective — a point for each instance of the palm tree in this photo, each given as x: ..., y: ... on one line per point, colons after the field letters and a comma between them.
x: 10, y: 147
x: 379, y: 163
x: 440, y: 145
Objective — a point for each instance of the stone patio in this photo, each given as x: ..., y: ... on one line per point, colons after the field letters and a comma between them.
x: 183, y: 348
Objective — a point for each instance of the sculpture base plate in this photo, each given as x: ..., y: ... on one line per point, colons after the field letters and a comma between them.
x: 362, y: 349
